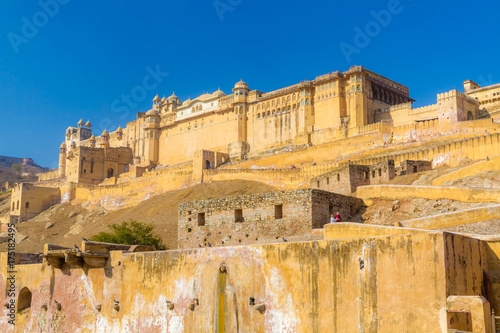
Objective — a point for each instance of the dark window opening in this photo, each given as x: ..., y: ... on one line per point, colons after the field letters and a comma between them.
x: 110, y: 172
x: 278, y: 211
x: 13, y: 206
x: 24, y: 300
x: 327, y: 181
x: 379, y: 172
x: 189, y: 219
x: 317, y: 183
x: 338, y: 177
x: 201, y: 219
x: 373, y: 174
x: 27, y: 205
x: 415, y: 169
x: 238, y: 215
x: 367, y: 175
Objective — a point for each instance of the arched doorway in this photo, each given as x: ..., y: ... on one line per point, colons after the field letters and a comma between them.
x: 207, y: 164
x: 24, y: 300
x: 110, y: 172
x: 470, y: 116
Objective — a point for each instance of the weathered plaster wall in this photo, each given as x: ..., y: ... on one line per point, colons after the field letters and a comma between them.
x: 129, y: 193
x: 452, y: 219
x: 471, y: 170
x: 465, y: 194
x: 382, y: 284
x: 28, y: 200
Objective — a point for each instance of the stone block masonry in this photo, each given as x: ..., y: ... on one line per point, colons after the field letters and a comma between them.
x: 346, y: 179
x: 259, y: 217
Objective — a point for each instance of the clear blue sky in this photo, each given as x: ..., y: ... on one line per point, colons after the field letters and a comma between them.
x: 78, y: 61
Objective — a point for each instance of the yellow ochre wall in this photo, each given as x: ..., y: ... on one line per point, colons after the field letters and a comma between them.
x: 320, y: 286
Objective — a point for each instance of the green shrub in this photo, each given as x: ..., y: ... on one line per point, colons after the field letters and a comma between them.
x: 130, y: 233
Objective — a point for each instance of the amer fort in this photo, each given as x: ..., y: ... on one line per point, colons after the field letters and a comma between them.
x: 415, y: 189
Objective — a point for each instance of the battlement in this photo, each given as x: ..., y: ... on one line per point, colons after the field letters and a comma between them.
x: 400, y: 106
x: 424, y: 109
x: 455, y: 94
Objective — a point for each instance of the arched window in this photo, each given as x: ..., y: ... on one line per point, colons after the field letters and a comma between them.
x: 470, y: 116
x: 24, y: 299
x: 13, y: 206
x: 110, y: 172
x: 27, y: 205
x: 207, y: 164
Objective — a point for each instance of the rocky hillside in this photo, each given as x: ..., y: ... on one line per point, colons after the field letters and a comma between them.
x: 65, y: 224
x: 15, y: 170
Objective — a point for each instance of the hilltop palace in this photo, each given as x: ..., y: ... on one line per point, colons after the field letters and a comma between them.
x: 316, y: 125
x: 272, y: 262
x: 249, y: 123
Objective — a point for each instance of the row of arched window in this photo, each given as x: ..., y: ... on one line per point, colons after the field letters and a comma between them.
x: 276, y: 112
x: 323, y: 96
x: 14, y: 206
x: 197, y: 108
x: 277, y: 102
x: 195, y: 126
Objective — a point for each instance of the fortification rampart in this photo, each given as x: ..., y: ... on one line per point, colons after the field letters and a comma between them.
x: 207, y: 290
x: 451, y: 153
x: 465, y: 194
x: 127, y: 194
x: 471, y: 170
x: 452, y: 219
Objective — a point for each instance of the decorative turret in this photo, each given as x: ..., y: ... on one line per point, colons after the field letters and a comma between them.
x: 174, y: 99
x: 92, y: 141
x: 151, y: 131
x: 119, y: 133
x: 218, y: 93
x: 105, y: 138
x: 81, y: 123
x: 240, y: 92
x: 62, y: 160
x: 62, y: 147
x: 88, y: 124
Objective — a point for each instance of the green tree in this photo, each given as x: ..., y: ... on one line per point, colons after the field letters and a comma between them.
x: 130, y: 233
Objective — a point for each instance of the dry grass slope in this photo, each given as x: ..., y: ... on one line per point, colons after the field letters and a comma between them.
x: 71, y: 223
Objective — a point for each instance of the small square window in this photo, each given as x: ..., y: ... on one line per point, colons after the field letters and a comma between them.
x: 201, y: 219
x: 278, y: 212
x: 238, y: 215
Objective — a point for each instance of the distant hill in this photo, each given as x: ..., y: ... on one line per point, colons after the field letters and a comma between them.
x: 15, y: 170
